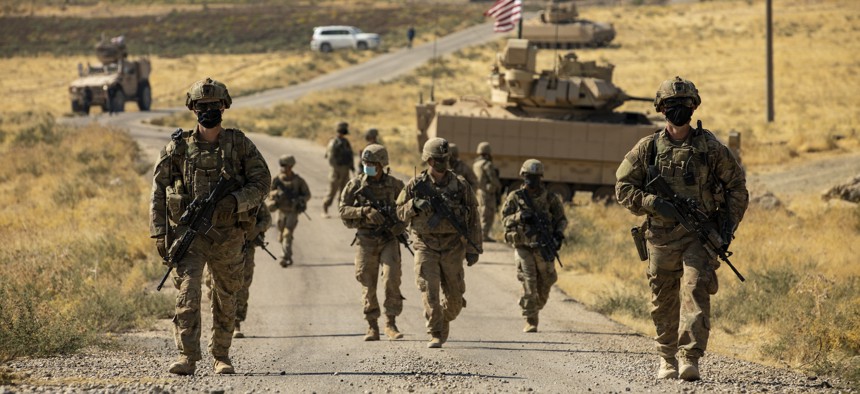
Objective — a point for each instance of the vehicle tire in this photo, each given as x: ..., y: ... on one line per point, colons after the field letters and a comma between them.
x: 325, y: 47
x: 116, y: 100
x: 362, y: 46
x: 76, y: 109
x: 144, y: 95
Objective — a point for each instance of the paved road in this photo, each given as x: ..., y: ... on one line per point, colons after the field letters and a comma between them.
x: 305, y: 324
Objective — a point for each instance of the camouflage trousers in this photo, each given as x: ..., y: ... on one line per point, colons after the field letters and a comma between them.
x: 487, y: 208
x: 680, y: 273
x: 371, y: 254
x: 441, y: 269
x: 338, y: 177
x: 287, y: 222
x: 226, y: 264
x: 537, y: 277
x: 247, y: 278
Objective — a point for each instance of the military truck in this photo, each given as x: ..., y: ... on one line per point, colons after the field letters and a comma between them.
x: 564, y: 117
x: 559, y: 26
x: 113, y: 81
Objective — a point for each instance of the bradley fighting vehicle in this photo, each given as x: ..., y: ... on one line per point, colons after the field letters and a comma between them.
x: 562, y: 117
x: 114, y: 81
x: 559, y: 27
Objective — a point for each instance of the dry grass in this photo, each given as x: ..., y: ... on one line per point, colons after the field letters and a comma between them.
x: 73, y: 266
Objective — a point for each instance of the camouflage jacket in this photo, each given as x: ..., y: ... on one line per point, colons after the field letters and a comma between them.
x: 339, y: 153
x: 353, y: 200
x: 460, y: 199
x: 546, y: 204
x: 701, y: 168
x: 288, y: 194
x: 189, y: 168
x: 487, y: 177
x: 464, y: 171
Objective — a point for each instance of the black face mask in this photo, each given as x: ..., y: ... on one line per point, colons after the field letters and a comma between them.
x: 532, y: 181
x: 209, y: 118
x: 679, y: 115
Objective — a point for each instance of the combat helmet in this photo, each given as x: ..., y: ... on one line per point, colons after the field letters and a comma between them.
x: 677, y: 90
x: 484, y: 148
x: 375, y: 153
x: 531, y: 167
x: 437, y: 148
x: 371, y: 133
x: 342, y: 127
x: 287, y: 161
x: 207, y: 89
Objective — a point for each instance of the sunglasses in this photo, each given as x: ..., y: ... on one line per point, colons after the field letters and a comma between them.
x: 207, y: 106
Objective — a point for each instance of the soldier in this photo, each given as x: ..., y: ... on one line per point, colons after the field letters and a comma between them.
x: 489, y: 188
x: 371, y: 137
x: 524, y: 209
x: 681, y: 273
x: 339, y: 155
x: 190, y: 165
x: 439, y: 246
x: 253, y: 238
x: 289, y: 196
x: 377, y: 242
x: 460, y: 168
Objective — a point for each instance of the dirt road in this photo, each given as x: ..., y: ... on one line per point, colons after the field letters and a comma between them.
x: 305, y: 324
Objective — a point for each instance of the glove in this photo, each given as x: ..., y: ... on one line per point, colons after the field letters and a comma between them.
x: 161, y: 245
x: 664, y: 208
x: 374, y: 216
x: 224, y: 210
x: 527, y: 217
x: 471, y: 259
x: 559, y: 237
x: 420, y: 204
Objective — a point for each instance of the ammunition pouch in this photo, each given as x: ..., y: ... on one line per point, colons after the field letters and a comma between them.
x: 176, y: 203
x: 638, y: 233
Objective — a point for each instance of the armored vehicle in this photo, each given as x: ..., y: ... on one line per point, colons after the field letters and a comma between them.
x: 112, y: 82
x: 559, y: 27
x: 563, y: 117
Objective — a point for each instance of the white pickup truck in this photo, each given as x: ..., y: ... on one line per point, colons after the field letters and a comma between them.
x: 329, y: 38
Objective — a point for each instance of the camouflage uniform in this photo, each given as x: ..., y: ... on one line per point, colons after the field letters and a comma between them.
x: 289, y: 196
x: 440, y: 249
x: 377, y: 246
x: 339, y: 154
x: 680, y: 272
x: 460, y: 168
x: 488, y: 189
x: 189, y: 168
x: 536, y: 274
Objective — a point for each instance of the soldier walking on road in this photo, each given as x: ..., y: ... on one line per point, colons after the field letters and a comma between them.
x: 189, y: 167
x: 289, y: 196
x: 460, y: 168
x: 440, y: 240
x: 523, y: 212
x: 339, y: 155
x: 376, y: 235
x: 252, y: 239
x: 681, y: 272
x: 489, y: 188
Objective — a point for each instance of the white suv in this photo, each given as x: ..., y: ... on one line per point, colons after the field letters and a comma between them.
x: 329, y: 38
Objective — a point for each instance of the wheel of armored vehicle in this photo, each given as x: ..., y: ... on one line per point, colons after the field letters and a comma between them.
x: 116, y: 100
x: 144, y: 96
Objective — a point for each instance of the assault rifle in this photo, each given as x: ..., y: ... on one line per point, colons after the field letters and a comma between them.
x: 687, y: 212
x: 542, y: 227
x: 198, y: 218
x: 289, y: 194
x: 262, y: 244
x: 390, y: 216
x: 441, y: 211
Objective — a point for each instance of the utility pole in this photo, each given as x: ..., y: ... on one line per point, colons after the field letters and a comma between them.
x: 769, y: 23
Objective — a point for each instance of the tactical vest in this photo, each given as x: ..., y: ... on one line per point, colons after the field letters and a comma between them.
x: 341, y: 152
x: 292, y: 198
x: 384, y: 192
x: 455, y: 197
x: 519, y: 236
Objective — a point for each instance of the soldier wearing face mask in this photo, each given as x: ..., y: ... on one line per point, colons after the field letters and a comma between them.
x: 376, y: 238
x: 681, y: 273
x: 524, y: 209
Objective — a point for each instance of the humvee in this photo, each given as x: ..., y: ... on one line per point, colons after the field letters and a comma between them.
x: 112, y: 82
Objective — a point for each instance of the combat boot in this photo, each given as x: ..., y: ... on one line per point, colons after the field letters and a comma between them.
x: 372, y: 331
x: 668, y: 368
x: 446, y: 329
x: 435, y: 340
x: 237, y: 331
x: 531, y: 324
x: 391, y: 328
x: 689, y: 369
x: 183, y: 366
x: 223, y: 365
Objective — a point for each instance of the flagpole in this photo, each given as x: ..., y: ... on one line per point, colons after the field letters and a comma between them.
x: 520, y: 27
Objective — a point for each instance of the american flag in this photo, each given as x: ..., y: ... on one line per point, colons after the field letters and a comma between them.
x: 507, y: 14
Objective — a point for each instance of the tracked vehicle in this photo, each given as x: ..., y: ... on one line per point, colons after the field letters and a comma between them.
x: 565, y: 117
x: 559, y: 26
